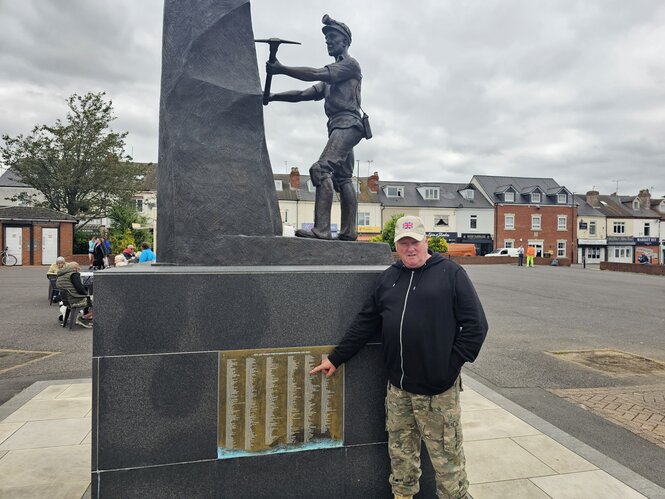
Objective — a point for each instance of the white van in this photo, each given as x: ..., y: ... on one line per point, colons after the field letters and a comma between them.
x: 503, y: 252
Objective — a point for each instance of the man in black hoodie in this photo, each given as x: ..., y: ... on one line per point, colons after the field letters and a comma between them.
x: 431, y: 323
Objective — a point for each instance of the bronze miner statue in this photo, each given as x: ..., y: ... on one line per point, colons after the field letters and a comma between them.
x: 339, y: 84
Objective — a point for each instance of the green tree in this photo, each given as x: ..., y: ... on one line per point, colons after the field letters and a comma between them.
x: 437, y: 243
x: 388, y: 233
x: 79, y: 165
x: 123, y: 216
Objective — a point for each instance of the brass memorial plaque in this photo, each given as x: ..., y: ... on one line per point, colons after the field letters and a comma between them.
x: 268, y: 402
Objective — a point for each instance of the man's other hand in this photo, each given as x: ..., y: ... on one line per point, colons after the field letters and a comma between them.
x: 325, y: 366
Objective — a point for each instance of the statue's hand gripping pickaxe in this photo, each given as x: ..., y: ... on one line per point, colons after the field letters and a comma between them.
x: 274, y: 45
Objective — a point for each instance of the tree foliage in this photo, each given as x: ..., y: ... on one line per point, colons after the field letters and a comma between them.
x: 437, y: 243
x: 388, y: 233
x: 79, y: 165
x: 121, y: 233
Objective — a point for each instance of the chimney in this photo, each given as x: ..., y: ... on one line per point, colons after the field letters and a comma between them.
x: 645, y: 199
x: 294, y: 178
x: 373, y: 182
x: 592, y: 198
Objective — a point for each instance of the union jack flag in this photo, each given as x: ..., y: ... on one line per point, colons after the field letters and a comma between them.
x: 407, y: 225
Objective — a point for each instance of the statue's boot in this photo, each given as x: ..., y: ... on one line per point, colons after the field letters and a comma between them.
x: 349, y: 227
x: 322, y: 206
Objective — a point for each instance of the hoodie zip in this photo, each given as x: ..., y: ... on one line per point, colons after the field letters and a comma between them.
x: 401, y: 323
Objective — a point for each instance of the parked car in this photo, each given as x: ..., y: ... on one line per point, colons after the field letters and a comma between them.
x: 503, y: 252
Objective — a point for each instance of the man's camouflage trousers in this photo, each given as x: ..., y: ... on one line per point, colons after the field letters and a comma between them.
x: 411, y: 418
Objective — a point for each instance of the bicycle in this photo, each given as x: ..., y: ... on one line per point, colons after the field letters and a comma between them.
x: 7, y: 259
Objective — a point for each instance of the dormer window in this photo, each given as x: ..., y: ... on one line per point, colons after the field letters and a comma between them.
x: 429, y: 193
x: 535, y: 197
x: 278, y: 185
x: 395, y: 191
x: 636, y: 204
x: 509, y: 197
x: 468, y: 194
x: 562, y: 198
x: 310, y: 186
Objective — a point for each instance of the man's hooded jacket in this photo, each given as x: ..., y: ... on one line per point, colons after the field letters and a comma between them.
x: 431, y: 323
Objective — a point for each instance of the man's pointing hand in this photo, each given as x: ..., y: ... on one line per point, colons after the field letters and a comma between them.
x: 325, y: 366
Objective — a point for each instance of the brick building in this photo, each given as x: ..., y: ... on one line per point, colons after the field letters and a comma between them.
x: 36, y: 236
x: 531, y: 212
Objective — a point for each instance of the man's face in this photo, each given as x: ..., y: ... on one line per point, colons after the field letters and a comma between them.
x: 412, y: 253
x: 336, y: 43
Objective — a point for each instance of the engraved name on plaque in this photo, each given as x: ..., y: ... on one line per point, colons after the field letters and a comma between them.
x: 268, y: 402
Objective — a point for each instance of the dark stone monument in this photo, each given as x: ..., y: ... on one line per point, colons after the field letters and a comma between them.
x: 199, y: 362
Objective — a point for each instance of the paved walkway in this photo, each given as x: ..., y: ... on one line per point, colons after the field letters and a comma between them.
x: 511, y: 453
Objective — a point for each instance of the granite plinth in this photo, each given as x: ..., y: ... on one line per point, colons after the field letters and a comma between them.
x: 224, y: 249
x: 214, y: 173
x: 158, y: 331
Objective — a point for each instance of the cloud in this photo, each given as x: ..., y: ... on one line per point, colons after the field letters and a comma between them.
x: 562, y: 88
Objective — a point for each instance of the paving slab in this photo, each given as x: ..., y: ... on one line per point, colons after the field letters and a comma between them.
x: 553, y: 454
x: 501, y: 459
x: 586, y: 485
x: 29, y: 467
x: 49, y: 433
x: 510, y: 489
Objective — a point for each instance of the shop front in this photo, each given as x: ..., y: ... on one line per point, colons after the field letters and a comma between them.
x: 647, y: 246
x: 620, y: 249
x: 483, y: 242
x: 591, y: 250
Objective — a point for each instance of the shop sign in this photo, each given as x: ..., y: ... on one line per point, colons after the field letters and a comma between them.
x: 620, y: 240
x: 369, y: 229
x: 591, y: 242
x: 476, y: 236
x: 449, y: 236
x: 649, y: 241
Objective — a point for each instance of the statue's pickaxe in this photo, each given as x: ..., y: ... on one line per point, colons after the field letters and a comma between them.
x: 274, y: 45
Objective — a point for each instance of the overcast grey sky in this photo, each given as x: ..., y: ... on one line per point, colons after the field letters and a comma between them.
x: 573, y: 90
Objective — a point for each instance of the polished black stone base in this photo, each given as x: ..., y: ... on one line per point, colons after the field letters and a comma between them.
x: 155, y: 381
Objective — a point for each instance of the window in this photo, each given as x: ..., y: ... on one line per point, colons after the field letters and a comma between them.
x: 363, y: 218
x: 647, y: 229
x: 509, y: 243
x: 509, y: 222
x: 431, y: 193
x: 593, y: 253
x: 310, y: 186
x: 619, y: 227
x: 535, y: 197
x: 561, y: 222
x: 562, y: 198
x: 561, y: 248
x: 473, y: 222
x: 138, y: 205
x: 592, y: 228
x: 278, y: 185
x: 636, y: 204
x: 535, y: 222
x: 468, y: 193
x: 622, y: 252
x: 509, y: 197
x: 395, y: 191
x: 285, y: 216
x: 440, y: 220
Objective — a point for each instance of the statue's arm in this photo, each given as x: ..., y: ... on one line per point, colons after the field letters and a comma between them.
x: 299, y: 73
x: 310, y: 93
